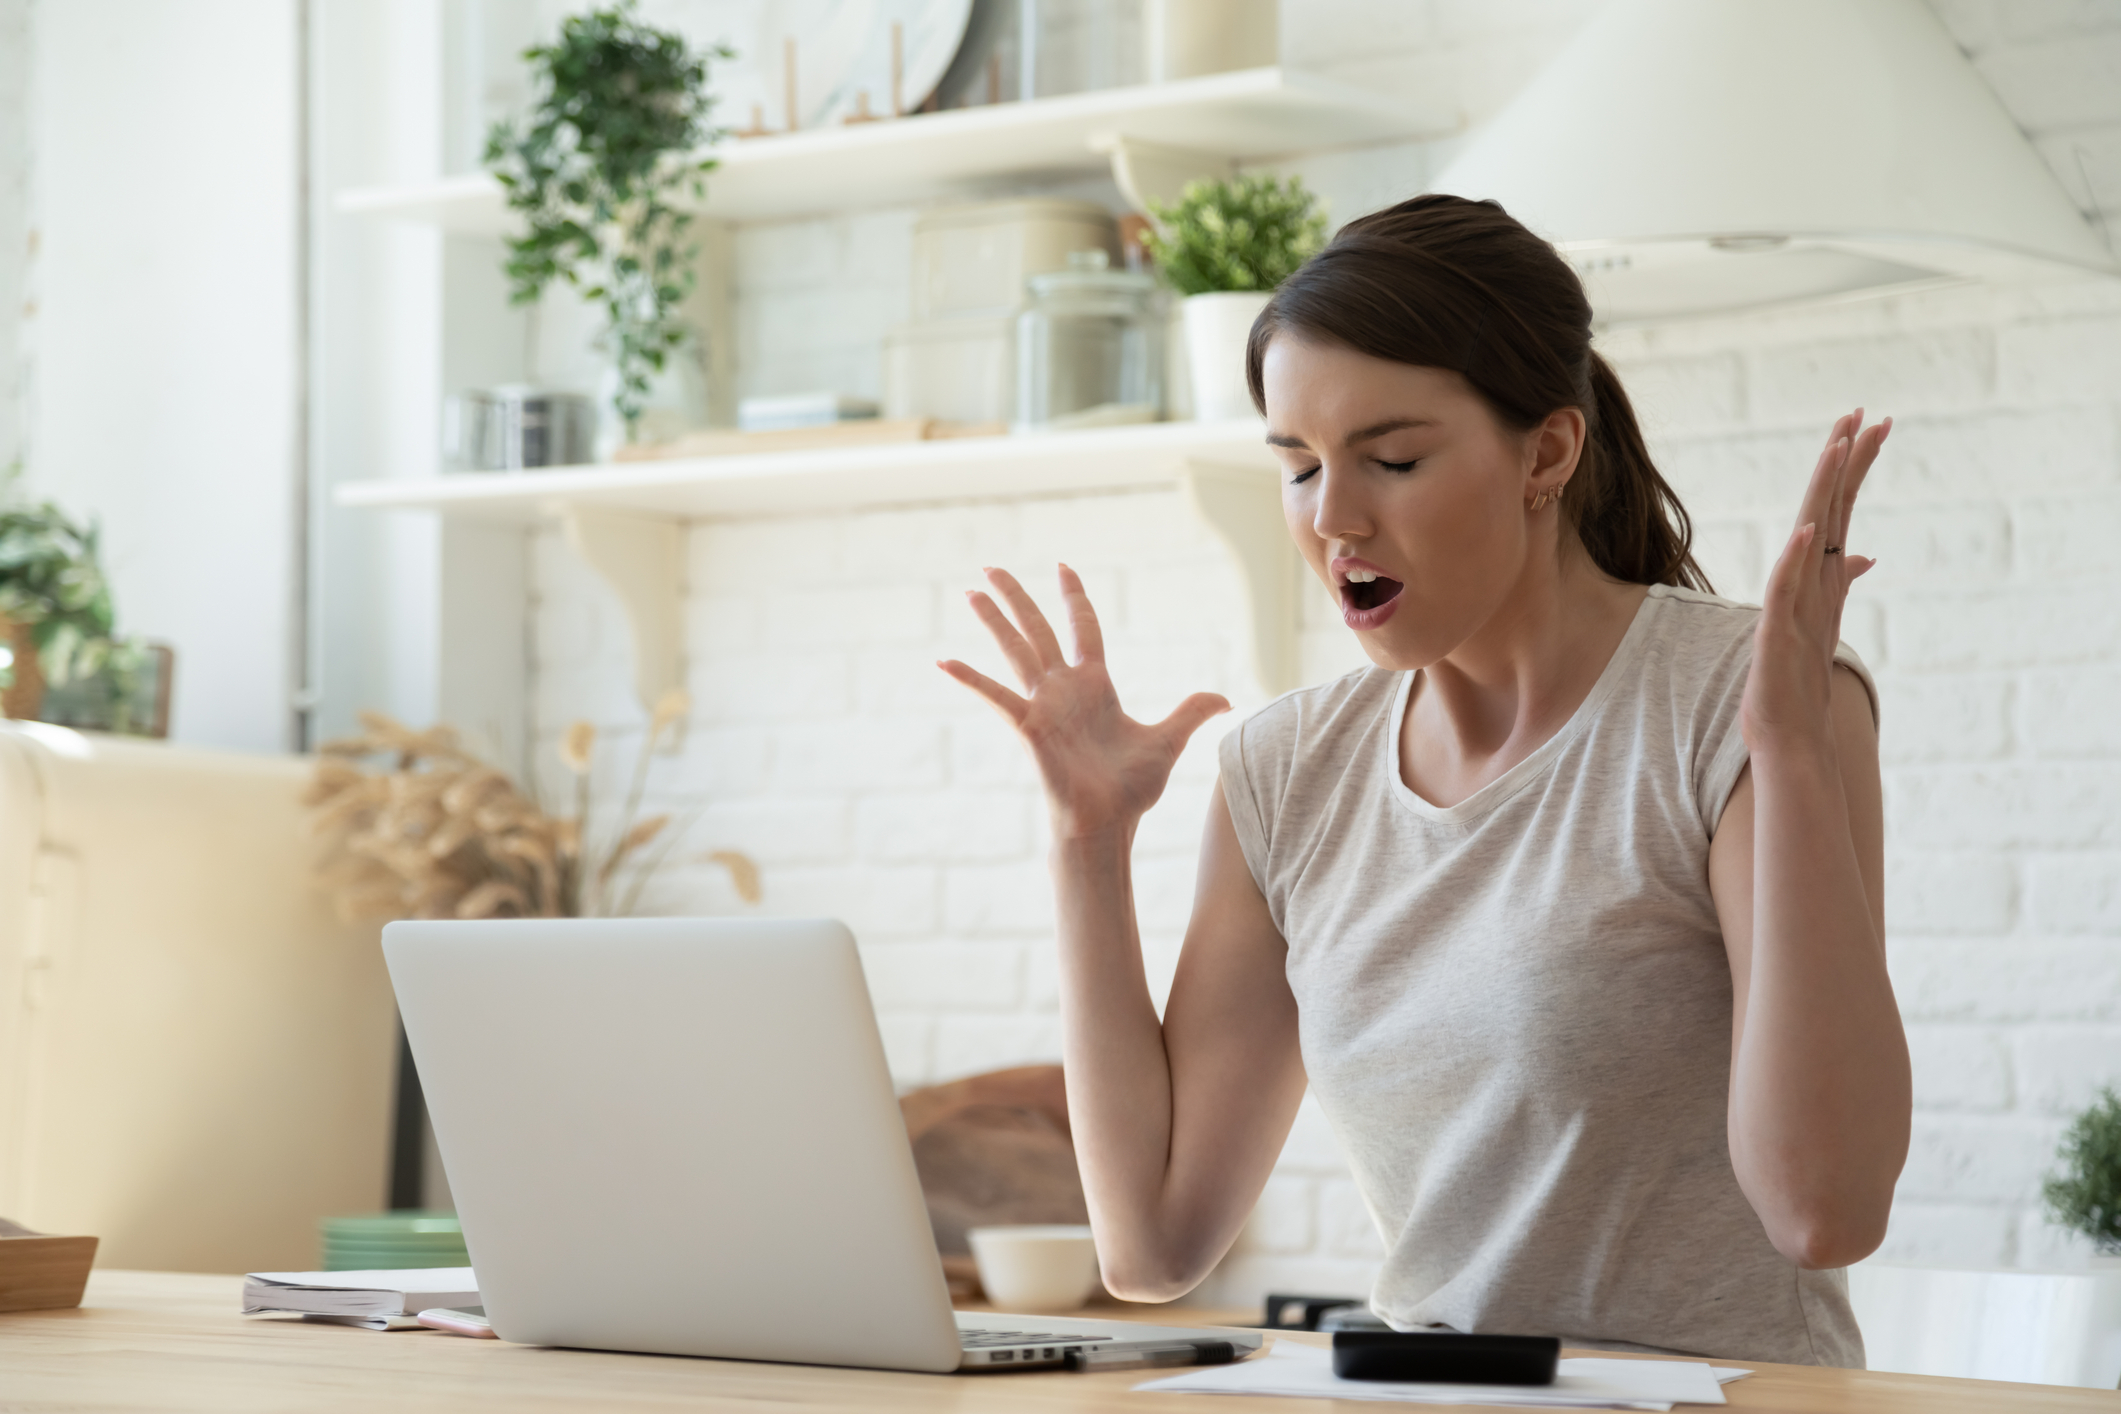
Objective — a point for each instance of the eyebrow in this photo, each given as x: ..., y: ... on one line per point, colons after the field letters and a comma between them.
x: 1360, y: 435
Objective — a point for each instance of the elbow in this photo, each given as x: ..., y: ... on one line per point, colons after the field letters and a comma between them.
x: 1150, y: 1282
x: 1819, y: 1241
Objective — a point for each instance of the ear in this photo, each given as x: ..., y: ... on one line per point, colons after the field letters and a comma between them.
x: 1553, y: 449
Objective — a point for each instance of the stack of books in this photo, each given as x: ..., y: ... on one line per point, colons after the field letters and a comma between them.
x: 380, y: 1300
x: 408, y: 1238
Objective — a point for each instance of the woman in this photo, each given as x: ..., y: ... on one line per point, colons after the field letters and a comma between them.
x: 1568, y: 909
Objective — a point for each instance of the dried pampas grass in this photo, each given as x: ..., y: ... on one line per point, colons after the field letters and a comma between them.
x: 439, y: 833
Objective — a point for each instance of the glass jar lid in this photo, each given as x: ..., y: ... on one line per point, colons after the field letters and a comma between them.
x: 1089, y: 272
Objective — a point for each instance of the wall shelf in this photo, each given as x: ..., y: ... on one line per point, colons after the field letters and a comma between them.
x: 624, y: 518
x: 831, y: 479
x: 1151, y: 134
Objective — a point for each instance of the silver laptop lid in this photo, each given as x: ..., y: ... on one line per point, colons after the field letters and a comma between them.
x: 674, y: 1135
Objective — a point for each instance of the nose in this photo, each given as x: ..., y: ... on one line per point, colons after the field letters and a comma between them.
x: 1341, y: 512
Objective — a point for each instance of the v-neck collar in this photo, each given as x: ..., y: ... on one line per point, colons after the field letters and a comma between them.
x: 1510, y: 782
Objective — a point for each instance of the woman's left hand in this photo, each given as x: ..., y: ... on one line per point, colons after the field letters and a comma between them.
x: 1788, y: 693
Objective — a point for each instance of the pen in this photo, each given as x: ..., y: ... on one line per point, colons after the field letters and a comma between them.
x: 1142, y: 1357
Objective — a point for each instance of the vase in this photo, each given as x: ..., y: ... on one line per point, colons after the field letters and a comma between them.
x: 23, y: 697
x: 1217, y: 326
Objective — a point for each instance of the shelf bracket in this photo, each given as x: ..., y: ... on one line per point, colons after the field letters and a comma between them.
x: 1150, y: 171
x: 1242, y: 506
x: 642, y: 558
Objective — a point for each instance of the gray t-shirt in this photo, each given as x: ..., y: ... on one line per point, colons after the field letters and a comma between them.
x: 1516, y: 1011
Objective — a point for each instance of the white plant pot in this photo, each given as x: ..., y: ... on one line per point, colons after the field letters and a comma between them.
x: 1217, y: 326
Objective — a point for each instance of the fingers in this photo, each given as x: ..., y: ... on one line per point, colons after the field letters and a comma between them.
x: 1830, y: 498
x: 998, y: 697
x: 1831, y: 524
x: 1787, y: 578
x: 1186, y: 718
x: 1082, y: 619
x: 1817, y: 506
x: 1862, y: 454
x: 1028, y: 618
x: 1023, y: 658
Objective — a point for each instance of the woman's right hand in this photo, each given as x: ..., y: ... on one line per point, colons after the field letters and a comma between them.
x: 1102, y: 769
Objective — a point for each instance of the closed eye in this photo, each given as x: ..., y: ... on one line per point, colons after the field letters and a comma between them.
x: 1400, y: 466
x: 1302, y: 476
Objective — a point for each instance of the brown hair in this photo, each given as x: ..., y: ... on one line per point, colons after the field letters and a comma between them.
x: 1444, y: 282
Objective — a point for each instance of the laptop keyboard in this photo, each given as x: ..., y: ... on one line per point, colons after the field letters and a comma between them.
x: 982, y: 1340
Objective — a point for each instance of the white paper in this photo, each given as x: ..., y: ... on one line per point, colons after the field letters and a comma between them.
x: 360, y: 1298
x: 1306, y: 1372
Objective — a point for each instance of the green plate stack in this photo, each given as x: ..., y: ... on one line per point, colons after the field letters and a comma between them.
x: 393, y: 1241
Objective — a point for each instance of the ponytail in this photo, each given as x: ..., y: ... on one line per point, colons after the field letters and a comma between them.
x: 1443, y: 282
x: 1625, y: 512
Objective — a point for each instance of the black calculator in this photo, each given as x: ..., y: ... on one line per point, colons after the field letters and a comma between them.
x: 1446, y: 1357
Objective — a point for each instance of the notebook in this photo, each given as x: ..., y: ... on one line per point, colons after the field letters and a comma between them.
x: 377, y: 1300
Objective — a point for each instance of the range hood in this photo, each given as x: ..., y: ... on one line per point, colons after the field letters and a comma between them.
x: 1696, y: 157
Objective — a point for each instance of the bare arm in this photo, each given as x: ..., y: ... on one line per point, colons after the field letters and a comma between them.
x: 1820, y: 1092
x: 1176, y: 1125
x: 1177, y: 1122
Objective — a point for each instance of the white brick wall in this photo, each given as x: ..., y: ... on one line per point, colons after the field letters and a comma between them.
x: 868, y: 786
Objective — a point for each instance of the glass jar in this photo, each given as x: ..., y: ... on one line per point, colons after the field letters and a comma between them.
x: 1079, y: 46
x: 1089, y: 348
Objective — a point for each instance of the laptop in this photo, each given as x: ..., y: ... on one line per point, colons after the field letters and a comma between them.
x: 679, y: 1136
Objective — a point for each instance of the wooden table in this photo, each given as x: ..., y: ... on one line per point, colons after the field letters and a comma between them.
x: 158, y: 1341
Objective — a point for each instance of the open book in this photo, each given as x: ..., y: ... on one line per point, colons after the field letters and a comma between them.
x: 377, y: 1300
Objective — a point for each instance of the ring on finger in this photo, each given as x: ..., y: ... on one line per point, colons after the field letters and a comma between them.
x: 1832, y: 550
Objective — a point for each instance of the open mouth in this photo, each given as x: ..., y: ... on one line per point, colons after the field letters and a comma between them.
x: 1364, y: 595
x: 1368, y: 596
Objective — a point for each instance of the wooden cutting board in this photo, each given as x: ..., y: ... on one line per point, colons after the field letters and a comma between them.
x: 863, y: 432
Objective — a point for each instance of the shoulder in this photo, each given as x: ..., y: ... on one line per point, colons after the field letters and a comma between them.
x: 1696, y: 648
x: 1698, y: 620
x: 1288, y: 758
x: 1325, y: 720
x: 1710, y: 639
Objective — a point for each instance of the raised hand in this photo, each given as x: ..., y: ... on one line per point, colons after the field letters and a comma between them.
x: 1102, y: 769
x: 1788, y: 693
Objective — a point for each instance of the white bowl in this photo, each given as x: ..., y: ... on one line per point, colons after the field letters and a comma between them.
x: 1043, y: 1269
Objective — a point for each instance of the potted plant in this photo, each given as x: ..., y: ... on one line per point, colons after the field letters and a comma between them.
x: 2085, y: 1196
x: 57, y: 628
x: 1225, y: 245
x: 597, y: 171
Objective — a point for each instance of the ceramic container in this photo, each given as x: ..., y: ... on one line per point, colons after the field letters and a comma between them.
x: 1217, y: 326
x: 1188, y: 38
x: 1036, y: 1270
x: 972, y: 260
x: 959, y: 369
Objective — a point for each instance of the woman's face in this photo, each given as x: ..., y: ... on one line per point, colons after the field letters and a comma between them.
x: 1406, y: 495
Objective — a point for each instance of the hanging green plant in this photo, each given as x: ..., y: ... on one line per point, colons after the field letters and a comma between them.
x: 2086, y: 1195
x: 1248, y: 233
x: 597, y: 172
